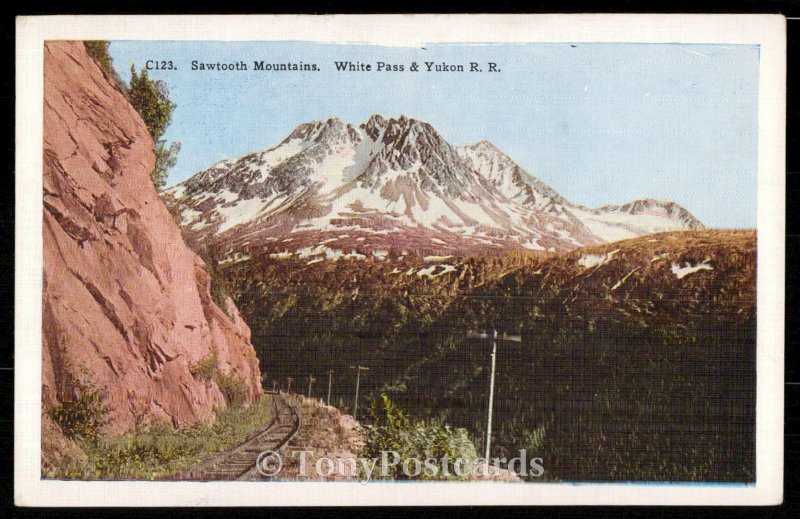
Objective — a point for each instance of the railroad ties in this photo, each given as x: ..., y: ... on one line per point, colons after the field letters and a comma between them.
x: 241, y: 460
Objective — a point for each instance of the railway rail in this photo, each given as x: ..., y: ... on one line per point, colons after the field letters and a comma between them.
x: 240, y: 461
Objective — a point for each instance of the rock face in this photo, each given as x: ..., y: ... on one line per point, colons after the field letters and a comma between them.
x: 127, y: 307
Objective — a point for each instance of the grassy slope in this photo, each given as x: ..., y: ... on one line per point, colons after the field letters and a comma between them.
x: 624, y: 372
x: 160, y: 451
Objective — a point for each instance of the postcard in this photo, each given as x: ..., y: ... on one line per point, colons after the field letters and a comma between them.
x: 400, y: 260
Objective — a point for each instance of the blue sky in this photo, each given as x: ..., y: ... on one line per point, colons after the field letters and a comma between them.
x: 600, y: 123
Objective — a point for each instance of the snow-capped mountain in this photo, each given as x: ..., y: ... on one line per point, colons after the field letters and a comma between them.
x: 395, y: 184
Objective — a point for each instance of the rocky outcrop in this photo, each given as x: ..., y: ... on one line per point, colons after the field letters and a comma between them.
x: 127, y: 307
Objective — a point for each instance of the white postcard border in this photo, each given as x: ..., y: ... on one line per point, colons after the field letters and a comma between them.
x: 768, y: 31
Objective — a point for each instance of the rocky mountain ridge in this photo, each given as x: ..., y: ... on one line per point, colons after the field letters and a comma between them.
x: 395, y: 184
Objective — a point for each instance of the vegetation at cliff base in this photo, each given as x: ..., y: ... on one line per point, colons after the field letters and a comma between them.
x: 84, y: 415
x: 158, y: 451
x: 232, y: 386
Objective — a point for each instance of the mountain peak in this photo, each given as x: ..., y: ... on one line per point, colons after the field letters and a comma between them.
x: 485, y: 153
x: 408, y: 129
x: 658, y: 208
x: 396, y: 180
x: 483, y: 145
x: 318, y: 130
x: 415, y: 151
x: 377, y: 123
x: 374, y: 126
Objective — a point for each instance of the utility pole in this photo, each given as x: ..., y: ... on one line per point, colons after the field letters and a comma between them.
x: 289, y: 388
x: 330, y: 381
x: 358, y: 383
x: 274, y: 386
x: 491, y: 397
x: 311, y: 380
x: 495, y: 338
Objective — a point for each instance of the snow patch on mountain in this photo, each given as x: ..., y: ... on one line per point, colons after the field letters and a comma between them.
x: 595, y: 260
x: 688, y: 268
x: 399, y: 182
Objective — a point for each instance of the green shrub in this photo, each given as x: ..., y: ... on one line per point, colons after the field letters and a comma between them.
x: 392, y: 431
x: 166, y: 158
x: 534, y: 439
x: 98, y: 49
x: 206, y: 368
x: 83, y: 416
x: 151, y: 99
x: 233, y: 388
x: 219, y: 294
x: 386, y: 414
x: 160, y: 451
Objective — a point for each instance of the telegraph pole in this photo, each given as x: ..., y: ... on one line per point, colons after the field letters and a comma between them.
x: 330, y: 381
x: 358, y: 383
x: 495, y: 338
x: 491, y: 397
x: 311, y: 380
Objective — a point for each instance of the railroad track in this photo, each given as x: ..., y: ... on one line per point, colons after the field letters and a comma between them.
x: 240, y: 461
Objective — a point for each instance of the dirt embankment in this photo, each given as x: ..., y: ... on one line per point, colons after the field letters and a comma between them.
x: 326, y: 432
x: 329, y: 434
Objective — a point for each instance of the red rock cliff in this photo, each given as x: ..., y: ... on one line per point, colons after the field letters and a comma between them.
x: 126, y: 304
